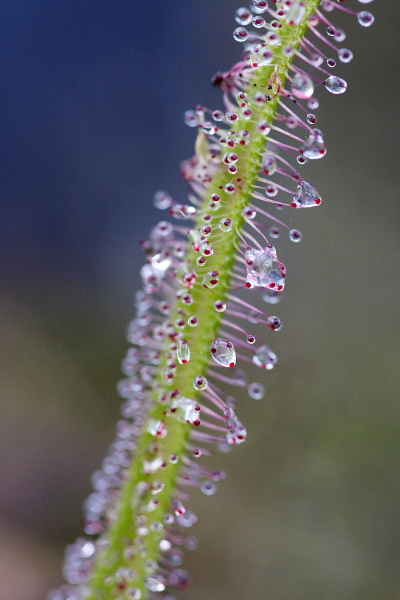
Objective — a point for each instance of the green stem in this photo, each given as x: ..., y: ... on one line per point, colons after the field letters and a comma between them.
x: 128, y: 548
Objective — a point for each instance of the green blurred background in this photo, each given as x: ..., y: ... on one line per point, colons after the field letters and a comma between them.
x: 92, y: 100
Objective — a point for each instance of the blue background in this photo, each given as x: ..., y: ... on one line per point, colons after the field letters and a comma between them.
x: 92, y: 98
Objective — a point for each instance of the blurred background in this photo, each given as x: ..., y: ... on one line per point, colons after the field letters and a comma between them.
x: 92, y: 98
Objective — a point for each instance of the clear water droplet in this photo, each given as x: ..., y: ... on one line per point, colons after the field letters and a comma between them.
x: 314, y: 146
x: 256, y: 391
x: 295, y: 235
x: 306, y: 196
x: 345, y: 55
x: 229, y: 188
x: 206, y: 248
x: 157, y: 428
x: 365, y: 18
x: 191, y: 118
x: 225, y: 224
x: 240, y: 34
x: 268, y: 165
x: 261, y: 55
x: 243, y: 16
x: 187, y: 519
x: 302, y: 86
x: 187, y: 410
x: 210, y: 280
x: 271, y: 190
x: 193, y: 321
x: 264, y: 269
x: 223, y: 352
x: 340, y: 35
x: 155, y: 583
x: 265, y: 358
x: 162, y: 200
x: 295, y: 13
x: 313, y: 104
x: 259, y: 6
x: 274, y: 323
x: 335, y: 85
x: 208, y: 487
x: 200, y: 383
x: 183, y: 352
x: 258, y: 22
x: 180, y: 579
x: 220, y: 306
x: 311, y: 119
x: 236, y: 433
x: 271, y: 296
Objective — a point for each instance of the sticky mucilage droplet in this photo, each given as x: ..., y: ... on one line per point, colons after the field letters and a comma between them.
x: 223, y: 352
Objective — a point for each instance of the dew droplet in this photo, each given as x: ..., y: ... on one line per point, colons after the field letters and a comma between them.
x: 193, y: 321
x: 236, y: 433
x: 208, y: 487
x: 306, y: 196
x: 345, y: 55
x: 311, y: 119
x: 365, y: 18
x: 264, y: 269
x: 295, y: 235
x: 265, y: 358
x: 183, y: 352
x: 302, y: 86
x: 274, y: 323
x: 314, y: 146
x: 313, y: 104
x: 259, y: 6
x: 240, y: 34
x: 201, y: 261
x: 268, y: 165
x: 271, y: 190
x: 200, y: 383
x: 157, y: 428
x: 218, y: 115
x: 256, y: 391
x: 191, y: 118
x: 182, y: 211
x: 243, y: 16
x: 229, y: 188
x: 206, y: 248
x: 180, y: 579
x: 186, y: 409
x: 210, y: 280
x: 295, y: 13
x: 155, y: 583
x: 340, y: 35
x: 258, y: 22
x: 225, y: 224
x: 274, y: 232
x: 271, y: 296
x: 250, y: 339
x: 335, y: 85
x: 162, y: 200
x: 187, y: 519
x: 261, y: 55
x: 223, y: 352
x: 220, y: 306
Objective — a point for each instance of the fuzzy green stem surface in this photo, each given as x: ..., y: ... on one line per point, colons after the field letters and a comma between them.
x: 128, y: 546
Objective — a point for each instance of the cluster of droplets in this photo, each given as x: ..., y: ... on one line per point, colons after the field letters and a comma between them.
x: 190, y: 307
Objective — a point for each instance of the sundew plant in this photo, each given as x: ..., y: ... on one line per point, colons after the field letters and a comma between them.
x: 197, y: 327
